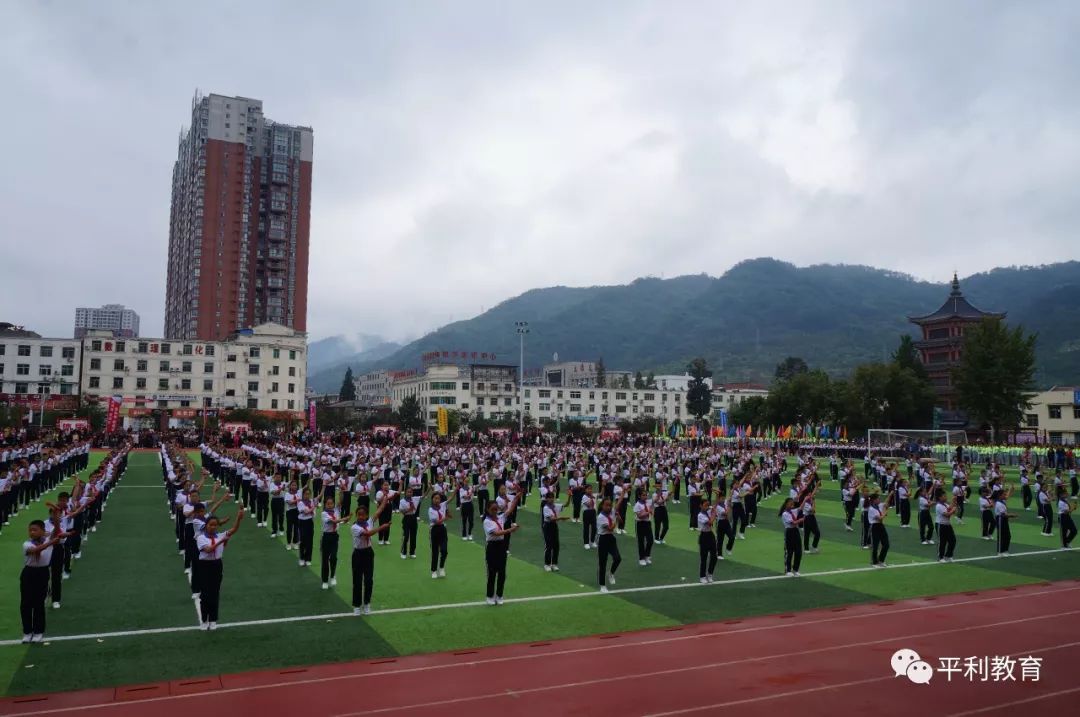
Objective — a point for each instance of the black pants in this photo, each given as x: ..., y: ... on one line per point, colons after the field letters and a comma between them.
x: 926, y: 526
x: 695, y: 508
x: 467, y: 513
x: 1004, y: 534
x: 644, y: 539
x: 262, y: 505
x: 307, y: 538
x: 551, y: 543
x: 191, y: 553
x: 849, y: 512
x: 792, y: 550
x: 608, y: 547
x: 346, y: 502
x: 33, y: 587
x: 56, y: 569
x: 660, y: 522
x: 1048, y: 518
x: 384, y: 519
x: 724, y: 531
x: 328, y: 549
x: 810, y: 527
x: 865, y: 529
x: 960, y: 508
x: 482, y: 499
x: 588, y: 526
x: 905, y: 512
x: 1068, y: 529
x: 706, y: 553
x: 292, y: 530
x: 1026, y: 494
x: 438, y: 547
x: 946, y: 541
x: 987, y: 522
x: 496, y: 568
x: 211, y: 572
x: 409, y: 527
x: 738, y: 518
x: 575, y: 499
x: 363, y: 576
x: 277, y: 515
x: 879, y: 543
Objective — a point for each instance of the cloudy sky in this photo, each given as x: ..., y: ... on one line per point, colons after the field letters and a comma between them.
x: 467, y: 151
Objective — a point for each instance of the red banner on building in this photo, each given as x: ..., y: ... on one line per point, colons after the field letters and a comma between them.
x: 183, y: 413
x: 112, y: 417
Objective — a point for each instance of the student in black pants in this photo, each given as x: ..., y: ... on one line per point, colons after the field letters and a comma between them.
x: 211, y: 547
x: 793, y: 548
x: 693, y: 494
x: 946, y: 535
x: 277, y: 507
x: 438, y: 514
x: 903, y: 503
x: 1002, y: 516
x: 34, y: 580
x: 1066, y: 505
x: 811, y: 532
x: 305, y: 524
x: 1042, y: 499
x: 879, y: 536
x: 926, y: 523
x: 643, y: 528
x: 588, y: 518
x: 661, y: 522
x: 363, y: 557
x: 607, y: 522
x: 707, y: 555
x: 409, y: 526
x: 550, y: 527
x: 328, y: 543
x: 724, y: 531
x: 495, y: 553
x: 751, y: 498
x: 865, y: 503
x: 465, y: 505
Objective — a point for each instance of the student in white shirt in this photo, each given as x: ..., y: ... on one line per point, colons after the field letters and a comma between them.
x: 707, y: 555
x: 465, y: 504
x: 292, y: 512
x: 1065, y: 506
x: 943, y: 513
x: 495, y: 534
x: 1002, y: 516
x: 408, y: 507
x: 34, y: 579
x: 305, y: 523
x: 793, y: 548
x: 588, y: 517
x: 607, y: 522
x: 328, y: 544
x: 1042, y: 500
x: 438, y: 514
x: 879, y: 536
x: 211, y: 548
x: 550, y: 518
x: 926, y: 522
x: 363, y: 557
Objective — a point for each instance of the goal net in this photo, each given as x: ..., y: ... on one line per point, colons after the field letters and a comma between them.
x: 915, y: 443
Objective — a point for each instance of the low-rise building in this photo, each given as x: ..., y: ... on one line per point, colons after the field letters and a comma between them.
x: 481, y: 389
x: 1054, y: 416
x: 32, y: 367
x: 373, y: 389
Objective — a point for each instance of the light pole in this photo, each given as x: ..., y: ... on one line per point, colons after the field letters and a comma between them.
x: 522, y: 329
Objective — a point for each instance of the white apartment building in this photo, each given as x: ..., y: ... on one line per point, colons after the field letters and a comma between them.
x: 263, y: 368
x: 480, y: 389
x: 1055, y: 415
x: 31, y: 365
x: 115, y: 318
x: 676, y: 382
x: 373, y: 389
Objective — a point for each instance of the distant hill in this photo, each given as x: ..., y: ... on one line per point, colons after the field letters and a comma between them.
x: 747, y: 320
x: 336, y: 350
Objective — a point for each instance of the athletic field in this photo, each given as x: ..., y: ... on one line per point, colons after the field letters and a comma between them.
x: 128, y: 616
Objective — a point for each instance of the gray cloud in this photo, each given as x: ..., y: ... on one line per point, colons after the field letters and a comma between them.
x: 466, y: 152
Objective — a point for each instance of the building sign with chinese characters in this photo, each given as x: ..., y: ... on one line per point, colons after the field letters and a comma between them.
x: 459, y: 356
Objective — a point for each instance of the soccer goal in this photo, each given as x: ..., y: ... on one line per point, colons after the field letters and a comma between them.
x: 938, y: 443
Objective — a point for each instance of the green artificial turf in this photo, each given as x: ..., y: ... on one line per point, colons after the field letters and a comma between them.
x: 131, y: 578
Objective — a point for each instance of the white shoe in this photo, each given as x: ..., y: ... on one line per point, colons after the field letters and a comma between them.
x: 78, y: 555
x: 948, y: 560
x: 611, y: 579
x: 703, y: 580
x: 187, y: 571
x: 741, y: 536
x: 37, y: 637
x: 26, y: 638
x: 326, y: 586
x: 942, y: 560
x: 587, y: 546
x: 442, y: 572
x: 181, y: 552
x: 648, y: 561
x: 547, y: 568
x: 929, y: 542
x: 56, y: 606
x: 213, y: 626
x: 66, y: 576
x: 434, y: 575
x: 358, y: 611
x: 490, y: 601
x: 404, y: 556
x: 849, y: 528
x: 333, y: 582
x: 194, y: 596
x: 204, y: 626
x: 720, y: 557
x: 594, y: 546
x: 498, y: 601
x: 273, y: 535
x: 642, y: 563
x: 796, y: 574
x: 367, y: 609
x: 710, y: 578
x: 300, y: 563
x: 789, y: 574
x: 603, y: 589
x: 307, y: 563
x: 414, y: 557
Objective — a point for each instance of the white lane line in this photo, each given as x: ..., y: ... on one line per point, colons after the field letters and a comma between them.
x: 480, y: 603
x: 1002, y: 706
x: 475, y: 663
x: 808, y: 690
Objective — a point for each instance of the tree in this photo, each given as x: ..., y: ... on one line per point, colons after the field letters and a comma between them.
x: 789, y: 368
x: 907, y: 356
x: 995, y: 377
x: 804, y: 397
x: 698, y: 393
x: 348, y: 388
x: 601, y: 373
x: 409, y: 415
x: 624, y: 381
x: 886, y: 395
x: 639, y: 380
x: 650, y: 380
x: 751, y: 411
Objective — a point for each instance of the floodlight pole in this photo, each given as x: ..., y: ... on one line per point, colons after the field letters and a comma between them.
x: 522, y: 329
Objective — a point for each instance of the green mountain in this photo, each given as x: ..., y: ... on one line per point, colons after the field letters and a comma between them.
x: 749, y: 319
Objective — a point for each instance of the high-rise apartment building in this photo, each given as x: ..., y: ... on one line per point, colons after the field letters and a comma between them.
x: 118, y: 319
x: 240, y: 222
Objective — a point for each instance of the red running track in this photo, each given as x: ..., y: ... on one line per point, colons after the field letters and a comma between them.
x: 815, y: 661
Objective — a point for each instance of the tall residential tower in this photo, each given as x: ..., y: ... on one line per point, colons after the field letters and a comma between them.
x: 240, y: 221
